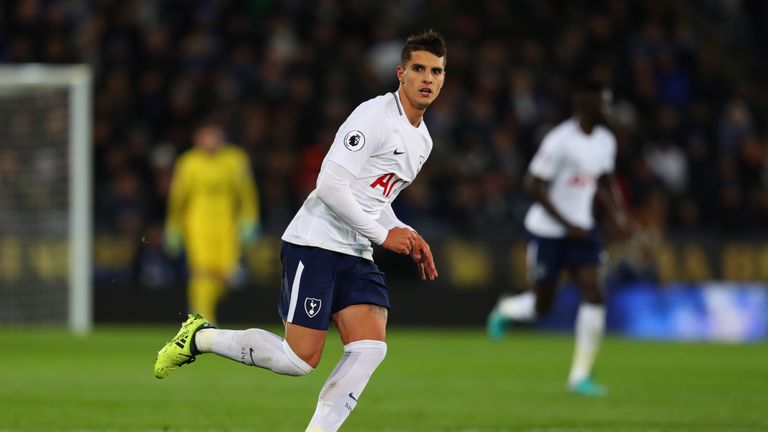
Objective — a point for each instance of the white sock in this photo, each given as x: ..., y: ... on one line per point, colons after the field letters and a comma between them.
x: 590, y: 326
x: 253, y: 347
x: 204, y: 339
x: 343, y: 387
x: 521, y: 307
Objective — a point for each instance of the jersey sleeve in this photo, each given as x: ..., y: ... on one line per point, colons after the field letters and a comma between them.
x: 610, y: 161
x: 178, y: 194
x: 546, y: 161
x: 358, y: 138
x: 333, y: 189
x: 388, y: 219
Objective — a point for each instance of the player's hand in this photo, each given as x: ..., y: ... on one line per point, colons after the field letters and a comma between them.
x: 249, y: 232
x: 422, y: 256
x: 400, y: 240
x: 574, y: 232
x: 172, y: 242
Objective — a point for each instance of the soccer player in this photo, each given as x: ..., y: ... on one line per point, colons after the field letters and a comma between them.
x: 328, y: 271
x: 575, y: 160
x: 212, y: 209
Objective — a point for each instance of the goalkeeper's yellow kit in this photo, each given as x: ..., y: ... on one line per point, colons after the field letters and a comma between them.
x: 212, y: 203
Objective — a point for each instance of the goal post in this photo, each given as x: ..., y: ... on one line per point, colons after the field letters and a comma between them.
x: 45, y: 221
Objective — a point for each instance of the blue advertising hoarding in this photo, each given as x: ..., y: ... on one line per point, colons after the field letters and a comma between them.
x: 712, y: 311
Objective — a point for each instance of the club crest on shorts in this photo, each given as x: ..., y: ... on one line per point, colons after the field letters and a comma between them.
x: 354, y: 140
x: 312, y: 306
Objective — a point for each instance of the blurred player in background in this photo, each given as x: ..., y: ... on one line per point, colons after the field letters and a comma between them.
x: 328, y: 269
x: 575, y: 161
x: 212, y: 210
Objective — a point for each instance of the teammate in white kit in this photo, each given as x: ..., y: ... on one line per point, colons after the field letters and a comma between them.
x: 575, y: 160
x: 328, y: 271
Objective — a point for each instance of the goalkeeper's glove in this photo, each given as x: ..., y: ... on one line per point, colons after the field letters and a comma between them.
x: 249, y: 232
x: 172, y: 242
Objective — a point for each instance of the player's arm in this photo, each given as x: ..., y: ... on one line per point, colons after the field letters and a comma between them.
x: 539, y: 189
x: 610, y: 196
x: 248, y: 196
x: 334, y: 191
x: 356, y: 141
x: 608, y: 190
x: 177, y: 200
x: 421, y: 252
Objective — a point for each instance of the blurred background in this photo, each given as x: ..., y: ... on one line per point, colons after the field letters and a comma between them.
x: 690, y: 80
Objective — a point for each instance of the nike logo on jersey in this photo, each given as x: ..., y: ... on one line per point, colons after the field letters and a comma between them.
x: 352, y: 396
x: 399, y: 152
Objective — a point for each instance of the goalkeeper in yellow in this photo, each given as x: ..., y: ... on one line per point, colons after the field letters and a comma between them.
x: 212, y: 210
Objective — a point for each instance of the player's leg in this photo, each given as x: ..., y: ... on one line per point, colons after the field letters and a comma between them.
x: 543, y: 271
x: 362, y: 328
x: 308, y: 279
x: 590, y: 323
x: 308, y: 274
x: 212, y: 254
x: 545, y: 297
x: 296, y: 355
x: 205, y: 290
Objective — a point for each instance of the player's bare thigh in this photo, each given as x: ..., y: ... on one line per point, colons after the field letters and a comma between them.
x: 305, y: 342
x: 361, y: 322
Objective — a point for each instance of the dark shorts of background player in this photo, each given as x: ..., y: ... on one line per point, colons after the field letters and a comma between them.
x: 548, y: 256
x: 327, y: 282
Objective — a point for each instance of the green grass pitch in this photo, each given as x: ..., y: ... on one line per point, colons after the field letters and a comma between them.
x: 432, y: 380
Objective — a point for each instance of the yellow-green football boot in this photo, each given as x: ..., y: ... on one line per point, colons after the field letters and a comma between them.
x: 180, y: 350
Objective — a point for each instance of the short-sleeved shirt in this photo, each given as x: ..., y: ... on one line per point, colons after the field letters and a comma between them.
x: 571, y: 161
x: 384, y: 152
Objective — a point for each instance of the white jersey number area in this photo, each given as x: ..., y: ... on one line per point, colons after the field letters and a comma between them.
x: 571, y: 161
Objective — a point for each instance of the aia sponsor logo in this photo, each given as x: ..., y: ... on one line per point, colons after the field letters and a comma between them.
x: 581, y: 180
x: 387, y: 182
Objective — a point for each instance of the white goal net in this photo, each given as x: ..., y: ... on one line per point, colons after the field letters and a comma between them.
x: 45, y: 203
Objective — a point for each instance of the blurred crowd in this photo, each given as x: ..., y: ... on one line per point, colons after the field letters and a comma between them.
x: 689, y: 79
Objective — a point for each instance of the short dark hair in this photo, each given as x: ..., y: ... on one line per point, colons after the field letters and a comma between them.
x: 430, y: 41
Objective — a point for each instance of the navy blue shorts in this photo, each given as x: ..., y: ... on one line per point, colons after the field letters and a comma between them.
x: 317, y: 283
x: 547, y: 256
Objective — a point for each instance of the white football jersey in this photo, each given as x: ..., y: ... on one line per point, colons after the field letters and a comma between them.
x: 380, y: 147
x: 571, y: 161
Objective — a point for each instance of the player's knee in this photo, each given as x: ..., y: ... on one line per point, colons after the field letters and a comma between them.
x: 312, y: 359
x: 297, y: 365
x: 371, y: 352
x: 308, y: 354
x: 591, y: 294
x: 594, y: 298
